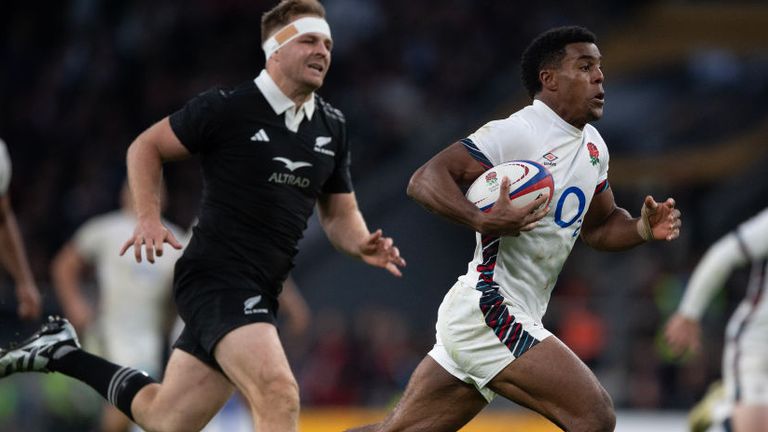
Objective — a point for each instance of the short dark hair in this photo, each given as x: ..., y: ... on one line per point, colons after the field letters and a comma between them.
x: 282, y: 14
x: 548, y: 50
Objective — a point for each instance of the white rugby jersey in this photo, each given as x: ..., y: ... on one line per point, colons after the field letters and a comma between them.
x: 747, y: 244
x: 133, y: 296
x: 5, y: 169
x: 524, y: 269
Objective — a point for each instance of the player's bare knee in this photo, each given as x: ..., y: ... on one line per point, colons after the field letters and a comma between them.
x: 604, y: 420
x: 158, y: 418
x: 280, y: 391
x: 284, y: 394
x: 601, y: 417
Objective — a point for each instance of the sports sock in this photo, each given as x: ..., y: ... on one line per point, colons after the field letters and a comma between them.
x: 117, y: 384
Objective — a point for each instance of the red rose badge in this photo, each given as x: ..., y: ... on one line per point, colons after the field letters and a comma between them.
x: 594, y: 155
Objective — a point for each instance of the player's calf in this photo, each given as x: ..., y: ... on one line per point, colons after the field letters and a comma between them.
x: 55, y: 348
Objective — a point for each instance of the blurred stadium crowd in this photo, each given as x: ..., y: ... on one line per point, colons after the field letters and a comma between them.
x: 685, y: 118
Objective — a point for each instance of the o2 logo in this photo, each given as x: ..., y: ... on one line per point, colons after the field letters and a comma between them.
x: 570, y: 194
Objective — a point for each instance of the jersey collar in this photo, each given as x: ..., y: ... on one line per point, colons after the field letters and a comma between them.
x: 279, y: 102
x: 545, y: 110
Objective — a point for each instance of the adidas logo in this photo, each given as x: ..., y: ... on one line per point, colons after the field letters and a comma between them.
x: 260, y: 136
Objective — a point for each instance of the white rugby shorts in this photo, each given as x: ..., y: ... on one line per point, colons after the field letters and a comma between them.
x: 745, y: 372
x: 475, y: 347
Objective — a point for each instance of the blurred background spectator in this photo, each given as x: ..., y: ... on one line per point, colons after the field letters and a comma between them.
x: 686, y: 83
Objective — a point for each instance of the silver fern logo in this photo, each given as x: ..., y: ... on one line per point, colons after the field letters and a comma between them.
x: 250, y: 303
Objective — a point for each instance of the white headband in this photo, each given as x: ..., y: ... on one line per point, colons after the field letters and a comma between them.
x: 294, y: 30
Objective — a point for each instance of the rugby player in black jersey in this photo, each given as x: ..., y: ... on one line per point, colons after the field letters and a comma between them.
x: 270, y: 150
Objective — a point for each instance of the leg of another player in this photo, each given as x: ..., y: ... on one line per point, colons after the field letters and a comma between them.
x: 253, y: 358
x: 434, y: 401
x: 749, y: 418
x: 190, y: 395
x: 552, y: 381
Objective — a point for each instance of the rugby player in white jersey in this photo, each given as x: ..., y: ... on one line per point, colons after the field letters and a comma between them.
x: 12, y: 253
x: 745, y: 357
x: 130, y: 322
x: 490, y: 339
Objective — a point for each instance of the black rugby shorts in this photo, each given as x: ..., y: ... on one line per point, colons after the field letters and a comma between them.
x: 213, y: 302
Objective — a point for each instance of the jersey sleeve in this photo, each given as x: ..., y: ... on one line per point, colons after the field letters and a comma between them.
x: 88, y: 238
x: 340, y: 180
x: 710, y: 274
x: 753, y: 235
x: 200, y: 119
x: 496, y: 141
x: 5, y: 169
x: 598, y: 154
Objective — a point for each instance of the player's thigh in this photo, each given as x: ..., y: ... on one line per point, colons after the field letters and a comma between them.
x: 190, y: 395
x: 253, y: 358
x: 746, y: 377
x: 551, y: 380
x: 434, y: 401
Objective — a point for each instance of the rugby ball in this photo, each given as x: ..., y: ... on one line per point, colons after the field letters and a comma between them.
x: 528, y: 180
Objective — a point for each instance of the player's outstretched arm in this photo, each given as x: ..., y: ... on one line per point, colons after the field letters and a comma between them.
x: 683, y: 331
x: 436, y: 185
x: 145, y: 171
x: 609, y: 227
x: 346, y: 229
x: 14, y: 259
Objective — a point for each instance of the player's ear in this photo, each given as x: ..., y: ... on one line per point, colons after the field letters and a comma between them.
x: 548, y: 79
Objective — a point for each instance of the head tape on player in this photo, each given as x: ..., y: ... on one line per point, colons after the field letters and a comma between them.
x: 293, y: 30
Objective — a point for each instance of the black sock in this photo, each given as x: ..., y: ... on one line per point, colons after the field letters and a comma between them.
x: 117, y: 384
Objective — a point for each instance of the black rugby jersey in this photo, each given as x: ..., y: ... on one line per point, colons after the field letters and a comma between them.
x: 260, y: 180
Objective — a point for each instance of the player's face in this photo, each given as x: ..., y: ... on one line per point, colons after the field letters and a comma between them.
x: 306, y: 59
x: 580, y: 83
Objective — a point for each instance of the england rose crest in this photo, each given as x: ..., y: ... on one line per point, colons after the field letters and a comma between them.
x: 594, y: 155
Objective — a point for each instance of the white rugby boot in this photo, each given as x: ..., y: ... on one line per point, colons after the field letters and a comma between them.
x: 33, y: 354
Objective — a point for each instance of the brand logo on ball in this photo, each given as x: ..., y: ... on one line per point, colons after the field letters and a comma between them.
x: 491, y: 179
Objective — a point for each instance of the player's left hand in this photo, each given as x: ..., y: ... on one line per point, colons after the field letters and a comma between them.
x: 659, y: 220
x: 380, y: 251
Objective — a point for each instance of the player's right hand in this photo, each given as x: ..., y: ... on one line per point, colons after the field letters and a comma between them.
x: 504, y: 219
x: 152, y: 234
